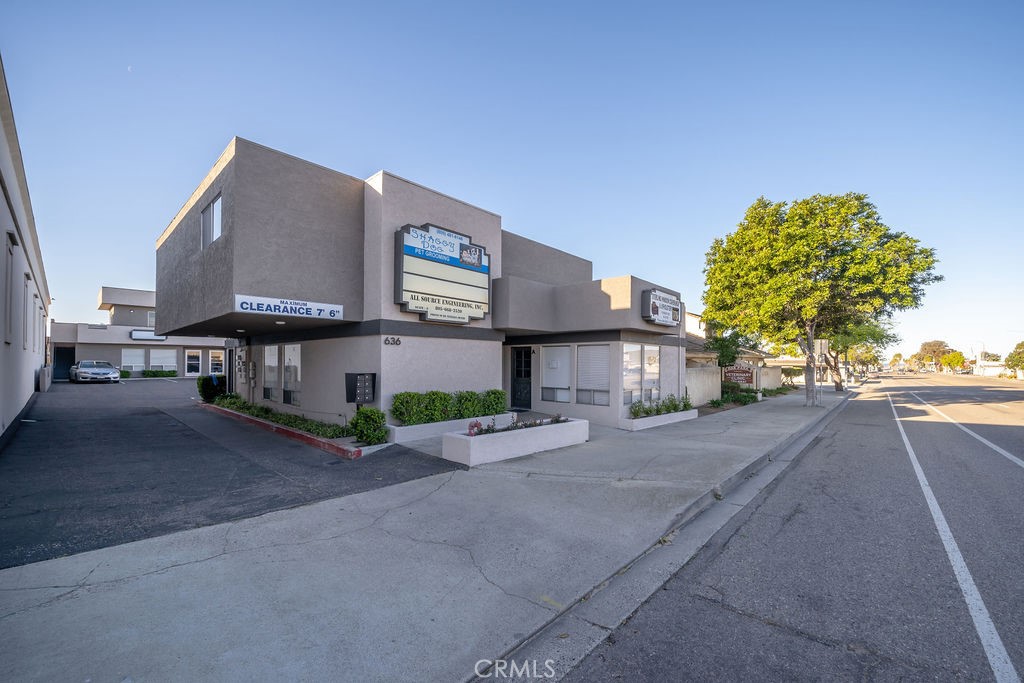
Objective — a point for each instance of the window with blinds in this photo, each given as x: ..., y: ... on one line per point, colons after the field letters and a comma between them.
x: 163, y: 359
x: 592, y: 374
x: 555, y: 374
x: 133, y: 359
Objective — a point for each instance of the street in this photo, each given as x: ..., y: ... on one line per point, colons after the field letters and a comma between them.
x: 875, y: 557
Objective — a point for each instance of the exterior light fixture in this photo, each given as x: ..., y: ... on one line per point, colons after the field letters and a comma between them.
x: 279, y: 322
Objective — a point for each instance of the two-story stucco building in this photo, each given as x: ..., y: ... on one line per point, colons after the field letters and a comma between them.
x: 339, y: 291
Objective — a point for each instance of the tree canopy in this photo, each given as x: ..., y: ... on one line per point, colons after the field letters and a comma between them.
x: 954, y: 360
x: 990, y: 357
x: 860, y: 342
x: 1015, y: 359
x: 794, y: 271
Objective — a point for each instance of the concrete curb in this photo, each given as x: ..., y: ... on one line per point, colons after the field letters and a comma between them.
x: 310, y: 440
x: 570, y: 635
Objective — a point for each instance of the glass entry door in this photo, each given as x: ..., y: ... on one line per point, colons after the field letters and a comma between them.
x: 522, y: 383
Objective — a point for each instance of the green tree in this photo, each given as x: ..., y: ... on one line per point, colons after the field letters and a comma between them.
x: 895, y: 360
x: 870, y: 338
x: 1015, y: 359
x: 793, y: 272
x: 933, y: 351
x: 727, y: 345
x: 954, y: 360
x: 990, y: 357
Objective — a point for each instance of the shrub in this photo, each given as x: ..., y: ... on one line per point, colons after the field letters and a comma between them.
x: 412, y: 408
x: 211, y: 386
x: 125, y: 374
x: 494, y: 401
x: 407, y: 407
x: 636, y: 409
x: 159, y: 373
x: 467, y: 404
x: 730, y: 387
x: 369, y: 425
x: 327, y: 430
x: 716, y: 403
x: 438, y: 406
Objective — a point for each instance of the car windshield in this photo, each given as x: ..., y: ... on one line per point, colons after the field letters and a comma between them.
x: 102, y: 364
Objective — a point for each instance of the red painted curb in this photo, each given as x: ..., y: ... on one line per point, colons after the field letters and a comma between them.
x: 308, y: 439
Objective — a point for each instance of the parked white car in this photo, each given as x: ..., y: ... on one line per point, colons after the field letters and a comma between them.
x: 94, y: 371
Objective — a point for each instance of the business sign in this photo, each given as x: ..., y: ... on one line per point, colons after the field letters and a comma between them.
x: 660, y: 308
x: 738, y: 374
x: 441, y: 275
x: 147, y: 335
x: 292, y: 308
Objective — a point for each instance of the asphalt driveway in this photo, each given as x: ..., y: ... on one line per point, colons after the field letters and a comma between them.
x: 105, y: 464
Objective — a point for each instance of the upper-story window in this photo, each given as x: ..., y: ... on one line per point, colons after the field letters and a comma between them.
x: 211, y: 222
x: 150, y: 318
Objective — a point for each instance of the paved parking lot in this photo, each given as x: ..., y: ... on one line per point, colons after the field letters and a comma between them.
x: 105, y: 464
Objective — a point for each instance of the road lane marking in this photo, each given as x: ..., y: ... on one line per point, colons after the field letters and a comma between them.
x: 1001, y: 451
x: 998, y: 658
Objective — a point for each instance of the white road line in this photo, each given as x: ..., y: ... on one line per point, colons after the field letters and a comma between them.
x: 1001, y: 451
x: 998, y: 658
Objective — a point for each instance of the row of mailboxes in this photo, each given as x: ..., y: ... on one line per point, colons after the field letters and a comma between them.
x: 359, y: 387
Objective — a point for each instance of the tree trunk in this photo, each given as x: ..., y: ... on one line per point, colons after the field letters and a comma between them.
x: 807, y: 346
x: 832, y: 363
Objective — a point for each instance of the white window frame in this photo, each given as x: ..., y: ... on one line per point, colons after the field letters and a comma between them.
x: 556, y: 381
x: 133, y: 366
x: 271, y: 390
x: 199, y: 364
x: 593, y: 378
x: 163, y: 366
x: 220, y: 353
x: 151, y: 319
x: 9, y: 245
x: 211, y: 222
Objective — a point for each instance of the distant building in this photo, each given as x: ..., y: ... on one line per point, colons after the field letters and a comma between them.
x: 24, y: 296
x: 130, y: 342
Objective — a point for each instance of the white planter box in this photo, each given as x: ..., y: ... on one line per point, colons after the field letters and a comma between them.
x: 656, y: 420
x: 425, y: 431
x: 485, y: 448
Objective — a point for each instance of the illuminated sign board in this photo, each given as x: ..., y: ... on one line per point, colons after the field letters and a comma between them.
x: 441, y: 275
x: 660, y: 308
x: 292, y: 308
x: 147, y: 335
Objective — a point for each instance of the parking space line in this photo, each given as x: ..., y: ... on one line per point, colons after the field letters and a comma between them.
x: 1001, y: 451
x: 998, y: 658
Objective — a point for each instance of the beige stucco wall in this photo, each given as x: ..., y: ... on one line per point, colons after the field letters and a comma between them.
x: 703, y: 384
x: 391, y: 203
x: 771, y: 378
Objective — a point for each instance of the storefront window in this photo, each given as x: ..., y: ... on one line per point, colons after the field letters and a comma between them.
x: 193, y: 362
x: 270, y: 374
x: 593, y: 375
x: 641, y: 373
x: 292, y: 373
x: 555, y: 374
x: 216, y: 362
x: 632, y: 373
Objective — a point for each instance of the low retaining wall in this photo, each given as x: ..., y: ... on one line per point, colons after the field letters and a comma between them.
x: 405, y: 434
x: 326, y: 445
x: 638, y: 423
x: 485, y: 448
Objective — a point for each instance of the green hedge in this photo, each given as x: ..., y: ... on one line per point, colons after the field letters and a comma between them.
x: 413, y: 408
x: 326, y: 430
x: 159, y: 373
x: 211, y: 386
x: 669, y: 404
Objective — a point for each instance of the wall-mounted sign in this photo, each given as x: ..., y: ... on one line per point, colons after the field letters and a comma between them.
x: 146, y: 335
x: 738, y: 374
x: 293, y: 308
x: 441, y: 275
x: 660, y: 308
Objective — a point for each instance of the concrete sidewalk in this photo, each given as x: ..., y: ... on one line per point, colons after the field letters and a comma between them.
x: 417, y: 581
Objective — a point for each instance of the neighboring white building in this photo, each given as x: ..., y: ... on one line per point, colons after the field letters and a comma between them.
x: 129, y: 342
x: 24, y: 296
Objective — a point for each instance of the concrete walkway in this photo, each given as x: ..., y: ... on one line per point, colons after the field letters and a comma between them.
x: 417, y: 581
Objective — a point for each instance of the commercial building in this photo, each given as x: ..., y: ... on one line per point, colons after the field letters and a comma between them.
x: 338, y: 292
x: 24, y: 296
x: 130, y: 342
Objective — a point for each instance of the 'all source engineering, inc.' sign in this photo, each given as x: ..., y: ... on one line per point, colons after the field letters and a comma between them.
x: 294, y: 308
x: 441, y: 275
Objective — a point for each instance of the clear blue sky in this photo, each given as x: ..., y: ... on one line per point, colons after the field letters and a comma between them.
x: 630, y: 134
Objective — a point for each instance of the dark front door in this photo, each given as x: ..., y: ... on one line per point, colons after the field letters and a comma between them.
x: 522, y: 385
x: 63, y: 359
